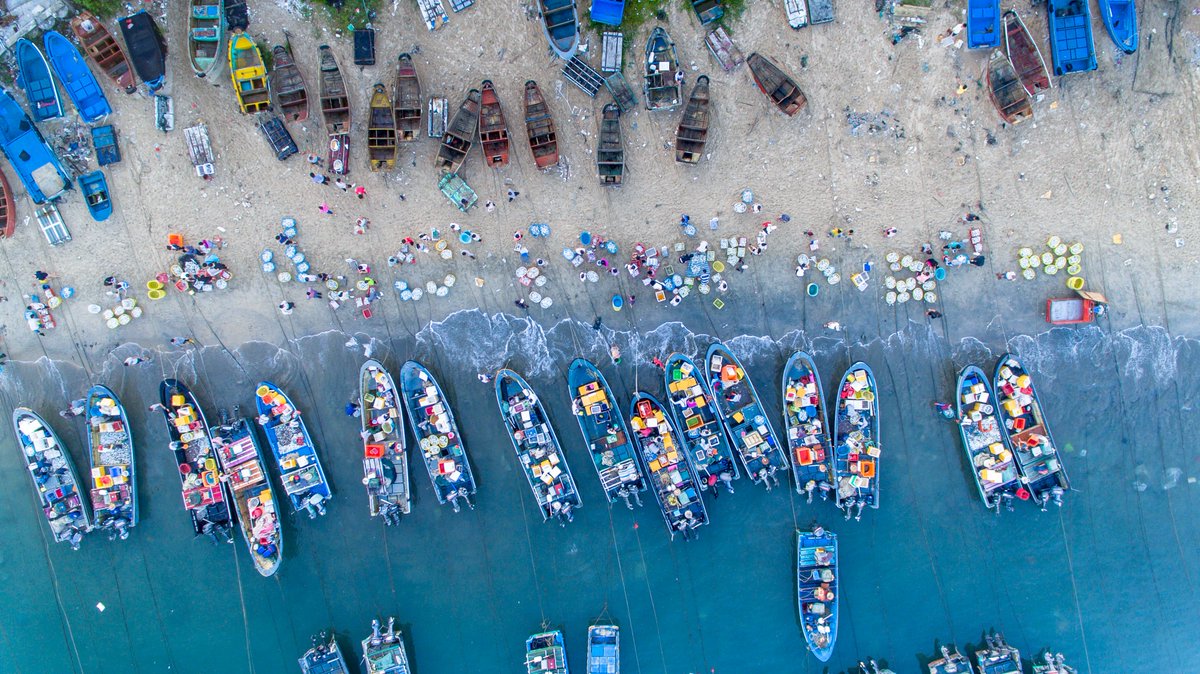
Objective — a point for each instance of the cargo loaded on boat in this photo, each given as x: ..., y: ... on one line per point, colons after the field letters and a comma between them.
x: 442, y: 449
x: 54, y: 479
x: 114, y: 471
x: 385, y: 458
x: 745, y: 420
x: 1024, y: 422
x: 605, y: 433
x: 546, y: 654
x: 241, y: 460
x: 203, y: 491
x: 817, y: 589
x: 806, y: 423
x: 604, y: 649
x: 671, y: 474
x: 986, y: 445
x: 700, y: 429
x: 296, y: 459
x: 857, y: 448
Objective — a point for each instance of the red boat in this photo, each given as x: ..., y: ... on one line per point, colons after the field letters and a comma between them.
x: 539, y: 126
x: 1014, y: 104
x: 776, y: 84
x: 102, y: 48
x: 8, y: 209
x: 1025, y: 56
x: 493, y: 131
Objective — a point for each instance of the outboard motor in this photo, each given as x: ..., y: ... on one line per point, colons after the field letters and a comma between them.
x: 1056, y: 494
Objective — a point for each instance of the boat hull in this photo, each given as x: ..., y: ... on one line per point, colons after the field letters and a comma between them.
x: 1025, y: 55
x: 776, y: 84
x: 206, y: 34
x: 493, y: 130
x: 104, y: 50
x: 700, y: 428
x: 989, y: 456
x: 407, y: 99
x: 251, y: 84
x: 670, y: 469
x: 692, y: 134
x: 744, y: 417
x: 37, y: 83
x: 818, y: 590
x: 34, y: 162
x: 385, y: 456
x: 1071, y: 47
x: 983, y: 24
x: 1012, y: 102
x: 604, y: 431
x: 78, y: 80
x: 8, y: 208
x: 856, y: 429
x: 1023, y: 419
x: 241, y: 459
x: 661, y: 66
x: 381, y: 131
x: 432, y: 420
x: 205, y: 496
x: 287, y: 84
x: 146, y: 50
x: 560, y: 24
x: 295, y: 456
x: 1121, y: 23
x: 95, y: 194
x: 806, y: 426
x: 539, y: 127
x: 53, y: 475
x: 610, y: 151
x: 335, y: 109
x: 460, y: 135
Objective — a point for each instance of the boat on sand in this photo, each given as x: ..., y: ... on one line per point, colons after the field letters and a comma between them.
x: 776, y: 84
x: 539, y: 127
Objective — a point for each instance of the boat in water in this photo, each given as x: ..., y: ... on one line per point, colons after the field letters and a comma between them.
x: 951, y: 662
x: 672, y: 477
x: 1025, y: 55
x: 381, y: 131
x: 383, y: 651
x: 324, y: 657
x: 610, y: 151
x: 538, y: 451
x: 817, y: 589
x: 986, y: 445
x: 605, y: 433
x: 560, y: 23
x: 856, y: 441
x: 983, y: 24
x: 604, y: 649
x: 459, y: 136
x: 54, y: 479
x: 999, y: 657
x: 385, y: 457
x: 1023, y: 421
x: 251, y: 84
x: 493, y: 130
x: 296, y: 458
x: 335, y: 109
x: 776, y: 84
x: 291, y: 94
x: 539, y: 126
x: 35, y: 163
x: 1052, y: 663
x: 806, y: 426
x: 206, y: 30
x: 94, y: 188
x: 692, y: 133
x: 77, y: 79
x: 147, y: 51
x: 114, y: 470
x: 203, y: 491
x: 662, y: 74
x: 1008, y: 95
x: 104, y: 50
x: 442, y: 449
x: 36, y: 81
x: 407, y: 99
x: 242, y: 465
x: 744, y: 418
x: 545, y: 653
x: 700, y: 429
x: 1072, y: 49
x: 1121, y: 23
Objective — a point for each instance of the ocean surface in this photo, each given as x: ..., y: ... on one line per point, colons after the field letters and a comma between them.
x: 1109, y: 579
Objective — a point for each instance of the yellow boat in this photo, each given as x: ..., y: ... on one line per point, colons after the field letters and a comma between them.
x: 250, y: 81
x: 381, y: 131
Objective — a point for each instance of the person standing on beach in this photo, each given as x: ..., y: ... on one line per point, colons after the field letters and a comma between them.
x: 360, y: 191
x: 286, y: 308
x: 319, y: 178
x: 341, y: 184
x: 324, y: 208
x: 513, y: 194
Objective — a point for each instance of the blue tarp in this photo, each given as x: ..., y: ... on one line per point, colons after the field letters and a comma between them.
x: 608, y: 12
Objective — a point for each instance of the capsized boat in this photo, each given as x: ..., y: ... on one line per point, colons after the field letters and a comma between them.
x: 986, y: 445
x: 493, y: 130
x: 1051, y: 663
x: 700, y: 430
x: 296, y: 458
x: 560, y: 23
x: 817, y: 589
x: 857, y: 444
x: 692, y: 133
x: 983, y: 24
x: 806, y: 424
x: 459, y: 136
x: 95, y: 194
x: 951, y: 662
x: 37, y: 82
x: 1025, y: 55
x: 385, y: 457
x: 1014, y: 104
x: 744, y: 418
x: 206, y: 30
x: 776, y: 84
x: 35, y: 163
x: 671, y: 474
x: 407, y: 99
x: 78, y: 80
x: 432, y: 422
x: 605, y: 433
x: 54, y: 479
x: 1121, y: 22
x: 8, y: 208
x: 241, y: 461
x: 251, y: 84
x: 291, y: 94
x: 335, y: 108
x: 114, y: 472
x: 1023, y: 420
x: 604, y: 649
x: 383, y: 651
x: 324, y: 657
x: 104, y: 50
x: 662, y: 74
x: 610, y: 151
x: 533, y: 439
x: 539, y: 126
x: 203, y: 491
x: 1071, y: 47
x: 146, y: 49
x: 545, y: 653
x: 381, y: 131
x: 999, y: 657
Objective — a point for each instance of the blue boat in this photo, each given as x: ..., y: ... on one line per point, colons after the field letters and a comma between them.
x: 604, y: 431
x: 744, y: 418
x: 442, y: 449
x: 671, y: 473
x: 608, y: 12
x: 1070, y: 25
x: 146, y: 50
x: 560, y: 23
x: 54, y: 479
x: 36, y: 81
x: 30, y: 156
x: 806, y: 426
x: 76, y: 78
x: 856, y: 441
x: 545, y: 653
x: 999, y: 657
x: 114, y: 473
x: 299, y: 466
x: 817, y: 589
x: 951, y: 662
x: 983, y: 24
x: 324, y: 657
x: 1120, y: 20
x: 385, y: 456
x: 989, y: 456
x: 95, y: 194
x: 700, y: 429
x: 1023, y: 419
x: 205, y: 496
x: 604, y: 649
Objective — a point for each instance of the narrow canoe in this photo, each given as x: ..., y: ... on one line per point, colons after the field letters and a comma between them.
x: 146, y: 49
x: 407, y: 99
x: 459, y: 136
x: 493, y: 130
x: 700, y: 429
x: 537, y: 448
x: 672, y: 476
x: 385, y: 457
x: 989, y: 456
x: 1024, y: 421
x: 204, y: 495
x: 745, y: 420
x: 104, y: 50
x: 96, y: 195
x: 295, y: 456
x: 560, y: 23
x: 37, y: 82
x: 54, y: 479
x: 692, y: 133
x: 251, y: 83
x: 1025, y: 55
x: 381, y: 131
x: 776, y: 84
x: 1008, y: 95
x: 610, y: 151
x: 206, y: 30
x: 661, y: 65
x: 857, y: 443
x: 604, y: 432
x: 81, y: 85
x: 539, y: 126
x: 817, y: 589
x: 241, y: 460
x: 437, y: 435
x: 806, y: 424
x: 291, y: 94
x: 1121, y: 22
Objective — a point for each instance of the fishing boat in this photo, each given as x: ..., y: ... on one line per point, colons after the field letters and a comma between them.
x: 459, y: 136
x: 146, y: 49
x: 385, y: 457
x: 381, y: 131
x: 206, y: 29
x: 539, y: 126
x: 95, y: 194
x: 291, y: 94
x: 692, y: 133
x: 203, y: 491
x: 324, y: 657
x: 114, y: 472
x: 700, y: 430
x: 100, y: 46
x: 1008, y: 95
x: 662, y: 74
x: 806, y: 424
x: 797, y: 13
x: 432, y: 422
x: 561, y: 26
x: 1024, y: 422
x: 493, y: 130
x: 407, y: 99
x: 983, y: 24
x: 28, y: 154
x: 672, y: 476
x: 1051, y: 663
x: 295, y: 456
x: 999, y: 657
x: 250, y: 81
x: 951, y: 662
x: 37, y: 82
x: 383, y: 651
x: 335, y: 108
x: 1120, y: 20
x: 54, y: 479
x: 857, y: 443
x: 78, y: 80
x: 533, y: 439
x: 745, y: 420
x: 605, y: 433
x: 1025, y: 55
x: 610, y: 151
x: 241, y: 460
x: 986, y: 445
x: 8, y: 209
x: 1072, y: 49
x: 545, y: 653
x: 776, y: 84
x: 817, y: 589
x: 604, y: 649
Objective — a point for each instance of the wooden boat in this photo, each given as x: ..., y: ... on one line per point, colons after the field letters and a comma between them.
x: 295, y: 456
x: 545, y: 653
x: 1069, y: 23
x: 539, y: 126
x: 692, y: 133
x: 700, y: 430
x: 797, y: 13
x: 335, y: 109
x: 817, y: 589
x: 707, y: 11
x: 1051, y: 663
x: 104, y: 50
x: 385, y: 457
x: 806, y: 425
x: 459, y: 136
x: 983, y: 24
x: 204, y: 495
x: 493, y: 130
x: 1121, y: 23
x: 999, y: 657
x: 35, y: 163
x: 610, y: 152
x: 8, y: 208
x: 147, y: 52
x: 1023, y: 420
x: 988, y: 454
x: 560, y: 23
x: 432, y: 421
x: 54, y: 479
x: 724, y: 50
x: 857, y: 442
x: 37, y: 82
x: 95, y: 194
x: 776, y: 84
x: 672, y: 476
x: 1004, y: 88
x: 77, y: 79
x: 251, y: 84
x: 1025, y: 55
x: 540, y: 456
x: 744, y: 418
x: 324, y: 657
x: 407, y: 99
x: 206, y: 30
x: 241, y: 461
x: 604, y: 649
x: 605, y: 433
x: 661, y: 65
x: 951, y: 662
x: 381, y: 131
x: 291, y: 94
x: 383, y: 652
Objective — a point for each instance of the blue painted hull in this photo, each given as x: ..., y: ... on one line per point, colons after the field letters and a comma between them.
x: 983, y: 24
x: 604, y: 431
x: 80, y: 83
x: 1071, y: 47
x: 30, y: 156
x: 37, y: 83
x: 608, y: 12
x: 95, y: 195
x: 296, y: 458
x: 561, y: 26
x: 817, y: 590
x: 1120, y: 20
